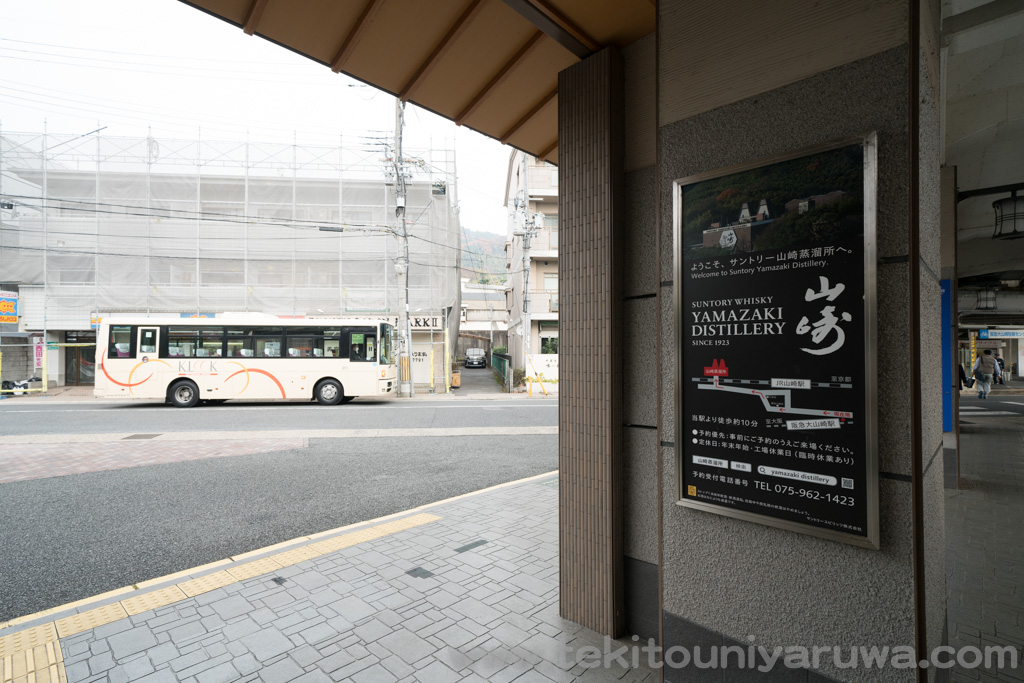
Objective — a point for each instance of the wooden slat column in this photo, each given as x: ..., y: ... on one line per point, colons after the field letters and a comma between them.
x: 590, y: 189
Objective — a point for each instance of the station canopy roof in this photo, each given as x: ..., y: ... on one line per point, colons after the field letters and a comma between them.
x: 491, y: 65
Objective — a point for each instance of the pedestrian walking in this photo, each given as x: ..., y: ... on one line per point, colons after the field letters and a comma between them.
x: 1002, y: 366
x: 985, y: 368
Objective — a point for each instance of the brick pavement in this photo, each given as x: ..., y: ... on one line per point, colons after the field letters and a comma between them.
x: 471, y: 596
x: 984, y: 550
x: 37, y: 461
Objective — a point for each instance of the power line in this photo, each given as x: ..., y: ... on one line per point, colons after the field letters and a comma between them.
x: 108, y: 112
x: 188, y: 72
x: 194, y: 258
x: 295, y: 224
x: 132, y: 54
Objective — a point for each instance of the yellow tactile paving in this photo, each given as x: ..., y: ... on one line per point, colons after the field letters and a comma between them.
x: 90, y: 619
x: 290, y: 557
x: 27, y: 639
x: 67, y: 606
x: 263, y: 551
x: 152, y: 600
x: 33, y: 655
x: 41, y: 664
x: 256, y: 568
x: 205, y: 584
x: 182, y: 574
x: 380, y: 531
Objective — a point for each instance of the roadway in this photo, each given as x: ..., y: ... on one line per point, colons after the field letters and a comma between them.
x: 95, y: 417
x: 996, y: 405
x: 100, y: 495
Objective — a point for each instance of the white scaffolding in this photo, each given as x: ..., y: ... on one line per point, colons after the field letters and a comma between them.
x: 99, y: 225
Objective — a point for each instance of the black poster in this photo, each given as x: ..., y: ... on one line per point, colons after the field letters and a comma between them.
x: 775, y: 310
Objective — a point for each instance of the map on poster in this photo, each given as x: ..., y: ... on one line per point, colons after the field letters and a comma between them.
x: 773, y: 359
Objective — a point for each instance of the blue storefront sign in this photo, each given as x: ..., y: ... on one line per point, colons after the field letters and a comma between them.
x: 949, y: 342
x: 1000, y: 334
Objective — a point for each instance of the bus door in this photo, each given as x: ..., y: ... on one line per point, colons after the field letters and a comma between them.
x: 148, y: 343
x: 362, y: 356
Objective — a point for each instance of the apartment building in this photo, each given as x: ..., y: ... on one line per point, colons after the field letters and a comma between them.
x: 531, y: 261
x: 484, y: 321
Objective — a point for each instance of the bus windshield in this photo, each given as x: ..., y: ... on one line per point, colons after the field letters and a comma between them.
x: 386, y: 339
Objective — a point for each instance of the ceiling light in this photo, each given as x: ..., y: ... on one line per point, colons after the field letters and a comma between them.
x: 1009, y: 217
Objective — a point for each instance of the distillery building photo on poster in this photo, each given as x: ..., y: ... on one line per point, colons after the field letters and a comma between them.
x: 775, y: 298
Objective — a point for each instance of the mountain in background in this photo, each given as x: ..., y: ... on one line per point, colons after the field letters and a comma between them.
x: 483, y: 256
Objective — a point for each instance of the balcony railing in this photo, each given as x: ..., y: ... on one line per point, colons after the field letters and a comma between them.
x: 544, y: 300
x: 545, y: 239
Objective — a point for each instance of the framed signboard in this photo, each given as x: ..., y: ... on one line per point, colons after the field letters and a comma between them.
x: 776, y: 369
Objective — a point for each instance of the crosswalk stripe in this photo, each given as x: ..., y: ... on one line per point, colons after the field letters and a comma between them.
x: 988, y: 413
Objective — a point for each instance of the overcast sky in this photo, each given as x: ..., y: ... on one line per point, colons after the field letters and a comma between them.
x: 132, y: 65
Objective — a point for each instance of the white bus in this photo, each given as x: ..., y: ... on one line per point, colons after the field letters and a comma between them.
x: 245, y: 356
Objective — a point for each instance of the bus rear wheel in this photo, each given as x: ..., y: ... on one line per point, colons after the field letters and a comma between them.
x: 328, y: 393
x: 184, y: 394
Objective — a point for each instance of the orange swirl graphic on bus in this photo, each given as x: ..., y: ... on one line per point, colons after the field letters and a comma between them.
x: 132, y: 372
x: 262, y: 372
x: 129, y: 384
x: 245, y: 370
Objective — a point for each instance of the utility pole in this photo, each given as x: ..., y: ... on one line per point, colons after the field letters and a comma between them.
x: 528, y: 228
x: 400, y: 195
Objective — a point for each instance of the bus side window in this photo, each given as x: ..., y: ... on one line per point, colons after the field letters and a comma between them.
x: 239, y: 342
x: 181, y: 343
x: 329, y: 344
x: 268, y: 347
x: 211, y: 343
x: 362, y: 345
x: 148, y: 344
x: 120, y: 342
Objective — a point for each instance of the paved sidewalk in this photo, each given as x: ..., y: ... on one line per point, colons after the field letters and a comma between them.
x: 466, y: 589
x: 984, y: 553
x: 1012, y: 388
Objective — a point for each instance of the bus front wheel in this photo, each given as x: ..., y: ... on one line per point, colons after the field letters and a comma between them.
x: 328, y: 393
x: 184, y: 394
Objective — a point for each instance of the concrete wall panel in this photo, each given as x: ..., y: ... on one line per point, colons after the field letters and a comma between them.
x: 711, y: 58
x: 640, y: 362
x: 641, y: 257
x: 641, y: 109
x: 739, y: 578
x: 640, y: 508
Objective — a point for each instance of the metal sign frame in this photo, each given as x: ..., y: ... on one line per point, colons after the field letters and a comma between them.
x: 871, y: 539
